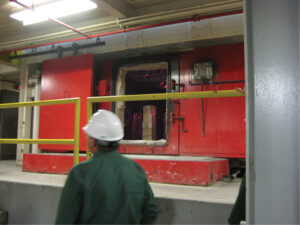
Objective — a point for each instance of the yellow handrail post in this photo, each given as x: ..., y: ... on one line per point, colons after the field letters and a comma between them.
x: 76, y: 131
x: 74, y: 141
x: 89, y: 114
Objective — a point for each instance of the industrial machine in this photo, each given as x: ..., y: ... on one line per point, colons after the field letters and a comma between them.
x: 195, y: 128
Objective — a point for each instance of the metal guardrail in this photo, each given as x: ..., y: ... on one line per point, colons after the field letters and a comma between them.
x: 160, y: 96
x: 91, y: 100
x: 74, y: 141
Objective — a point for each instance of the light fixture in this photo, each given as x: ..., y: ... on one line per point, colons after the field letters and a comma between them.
x: 28, y: 3
x: 55, y: 10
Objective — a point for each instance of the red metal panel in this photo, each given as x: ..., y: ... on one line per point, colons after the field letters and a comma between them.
x: 190, y: 172
x: 105, y: 82
x: 41, y: 163
x: 224, y: 117
x: 65, y: 78
x: 200, y: 173
x: 103, y: 88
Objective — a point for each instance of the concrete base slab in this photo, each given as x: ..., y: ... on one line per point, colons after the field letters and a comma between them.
x: 188, y: 170
x: 32, y: 198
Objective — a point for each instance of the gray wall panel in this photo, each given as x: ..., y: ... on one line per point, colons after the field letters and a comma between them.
x: 272, y: 70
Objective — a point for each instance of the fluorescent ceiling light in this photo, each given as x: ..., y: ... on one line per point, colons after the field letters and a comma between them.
x: 28, y: 3
x: 53, y: 10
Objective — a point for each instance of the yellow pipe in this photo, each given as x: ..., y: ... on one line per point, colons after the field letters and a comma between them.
x: 38, y: 103
x: 37, y: 141
x: 89, y: 114
x: 76, y: 131
x: 164, y: 96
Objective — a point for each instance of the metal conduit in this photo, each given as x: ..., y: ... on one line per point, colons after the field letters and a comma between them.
x: 191, y: 10
x: 181, y: 14
x: 189, y: 14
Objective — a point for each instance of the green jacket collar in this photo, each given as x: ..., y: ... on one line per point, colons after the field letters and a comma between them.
x: 105, y: 151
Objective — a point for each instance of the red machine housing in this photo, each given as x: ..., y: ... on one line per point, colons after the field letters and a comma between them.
x: 223, y: 134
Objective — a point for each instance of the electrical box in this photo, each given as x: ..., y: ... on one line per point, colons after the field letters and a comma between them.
x: 203, y: 72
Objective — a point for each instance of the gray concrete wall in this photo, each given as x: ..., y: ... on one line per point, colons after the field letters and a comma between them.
x: 174, y: 211
x: 28, y: 203
x: 37, y: 204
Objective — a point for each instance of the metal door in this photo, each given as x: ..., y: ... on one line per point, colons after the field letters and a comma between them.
x: 65, y: 78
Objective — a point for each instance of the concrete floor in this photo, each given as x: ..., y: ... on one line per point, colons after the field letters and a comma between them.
x: 179, y: 204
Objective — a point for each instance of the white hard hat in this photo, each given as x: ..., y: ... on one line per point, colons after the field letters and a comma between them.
x: 105, y: 126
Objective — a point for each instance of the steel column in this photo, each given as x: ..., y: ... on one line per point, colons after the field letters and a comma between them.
x: 272, y: 73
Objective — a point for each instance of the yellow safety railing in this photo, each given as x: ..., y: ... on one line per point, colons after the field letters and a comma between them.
x: 74, y: 141
x: 163, y: 96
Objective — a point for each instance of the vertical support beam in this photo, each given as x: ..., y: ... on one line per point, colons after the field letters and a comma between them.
x: 76, y: 131
x: 36, y: 116
x: 89, y: 114
x: 272, y: 72
x: 24, y: 121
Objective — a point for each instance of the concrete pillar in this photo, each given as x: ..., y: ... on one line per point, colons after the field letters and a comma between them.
x: 272, y: 73
x: 24, y: 120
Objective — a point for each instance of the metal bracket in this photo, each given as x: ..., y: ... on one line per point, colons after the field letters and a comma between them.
x: 180, y: 85
x: 180, y: 118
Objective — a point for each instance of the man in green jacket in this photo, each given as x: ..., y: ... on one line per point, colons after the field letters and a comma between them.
x: 108, y: 188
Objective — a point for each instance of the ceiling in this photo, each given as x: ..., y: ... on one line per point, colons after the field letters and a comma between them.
x: 110, y: 15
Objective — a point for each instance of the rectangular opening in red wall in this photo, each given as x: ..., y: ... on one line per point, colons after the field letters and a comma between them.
x: 67, y: 77
x: 146, y: 127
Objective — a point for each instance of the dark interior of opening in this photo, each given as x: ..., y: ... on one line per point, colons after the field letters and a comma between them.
x: 145, y: 82
x: 9, y: 120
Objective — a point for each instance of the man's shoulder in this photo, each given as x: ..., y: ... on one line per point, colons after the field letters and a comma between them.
x: 132, y: 163
x: 81, y: 166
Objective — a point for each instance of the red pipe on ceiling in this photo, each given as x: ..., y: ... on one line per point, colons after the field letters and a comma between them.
x: 52, y: 19
x: 194, y: 18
